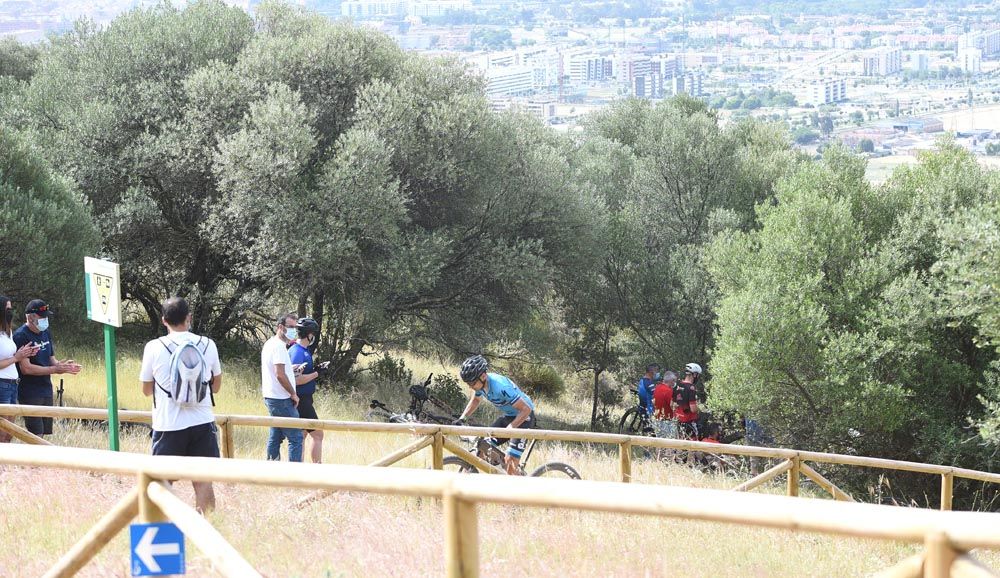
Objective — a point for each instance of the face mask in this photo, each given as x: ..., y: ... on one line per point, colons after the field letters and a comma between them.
x: 43, y: 323
x: 9, y: 315
x: 291, y: 333
x: 657, y: 376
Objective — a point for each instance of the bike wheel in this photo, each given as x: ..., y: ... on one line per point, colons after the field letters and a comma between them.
x: 378, y: 415
x: 457, y: 464
x: 556, y: 470
x: 631, y: 423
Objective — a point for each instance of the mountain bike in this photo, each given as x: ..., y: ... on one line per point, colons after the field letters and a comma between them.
x: 488, y: 449
x: 418, y: 412
x: 636, y: 421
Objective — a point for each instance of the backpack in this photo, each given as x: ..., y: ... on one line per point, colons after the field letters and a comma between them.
x: 190, y: 377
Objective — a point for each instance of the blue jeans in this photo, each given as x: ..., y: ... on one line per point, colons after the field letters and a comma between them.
x: 283, y: 408
x: 8, y: 391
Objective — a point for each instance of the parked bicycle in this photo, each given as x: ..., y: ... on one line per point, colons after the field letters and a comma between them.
x: 489, y: 450
x: 636, y: 421
x: 421, y: 397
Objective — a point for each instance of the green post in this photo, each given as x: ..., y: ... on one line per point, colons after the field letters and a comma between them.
x: 109, y: 364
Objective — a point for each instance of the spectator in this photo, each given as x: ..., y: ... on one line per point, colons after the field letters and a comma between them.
x: 37, y: 370
x: 305, y: 380
x: 278, y: 386
x: 10, y: 355
x: 183, y: 426
x: 663, y: 394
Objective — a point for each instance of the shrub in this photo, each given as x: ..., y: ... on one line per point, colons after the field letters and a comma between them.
x: 537, y: 380
x: 389, y: 370
x: 447, y: 389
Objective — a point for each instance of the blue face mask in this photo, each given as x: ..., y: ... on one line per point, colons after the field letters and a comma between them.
x: 291, y: 333
x: 43, y: 323
x: 656, y: 376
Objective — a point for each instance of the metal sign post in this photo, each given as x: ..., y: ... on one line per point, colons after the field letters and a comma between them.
x: 104, y: 305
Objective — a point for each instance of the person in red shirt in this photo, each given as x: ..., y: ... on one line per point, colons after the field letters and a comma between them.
x: 663, y: 393
x: 686, y: 401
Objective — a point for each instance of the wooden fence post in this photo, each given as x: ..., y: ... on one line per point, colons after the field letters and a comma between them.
x: 461, y: 542
x: 625, y: 455
x: 793, y: 476
x: 437, y: 451
x: 939, y: 555
x: 947, y: 490
x: 227, y: 439
x: 149, y: 512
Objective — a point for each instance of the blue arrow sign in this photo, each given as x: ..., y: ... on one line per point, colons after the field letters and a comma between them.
x: 157, y: 549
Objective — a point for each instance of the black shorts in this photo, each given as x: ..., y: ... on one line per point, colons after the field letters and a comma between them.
x: 517, y: 444
x: 199, y: 441
x: 40, y: 426
x: 306, y: 409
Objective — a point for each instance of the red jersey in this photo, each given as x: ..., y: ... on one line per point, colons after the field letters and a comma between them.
x: 662, y: 395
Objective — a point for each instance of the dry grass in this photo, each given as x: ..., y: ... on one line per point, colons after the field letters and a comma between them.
x: 43, y: 512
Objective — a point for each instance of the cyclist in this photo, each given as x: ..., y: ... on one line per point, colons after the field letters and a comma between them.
x: 686, y: 401
x: 517, y: 408
x: 646, y: 385
x: 301, y: 356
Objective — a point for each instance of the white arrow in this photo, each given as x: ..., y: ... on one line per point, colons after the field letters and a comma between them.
x: 146, y: 549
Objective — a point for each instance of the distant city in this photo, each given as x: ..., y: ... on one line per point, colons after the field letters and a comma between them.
x: 885, y: 81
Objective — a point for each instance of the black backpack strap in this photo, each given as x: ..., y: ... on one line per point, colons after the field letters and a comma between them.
x: 211, y: 377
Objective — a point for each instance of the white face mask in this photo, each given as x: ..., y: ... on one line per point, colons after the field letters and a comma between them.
x: 43, y: 323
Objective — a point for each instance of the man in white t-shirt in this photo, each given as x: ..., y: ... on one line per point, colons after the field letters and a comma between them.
x: 181, y: 430
x: 277, y: 383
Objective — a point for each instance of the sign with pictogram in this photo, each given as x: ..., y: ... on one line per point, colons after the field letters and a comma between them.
x: 104, y: 303
x: 157, y: 549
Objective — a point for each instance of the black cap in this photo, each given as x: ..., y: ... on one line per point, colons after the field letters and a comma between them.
x: 38, y: 307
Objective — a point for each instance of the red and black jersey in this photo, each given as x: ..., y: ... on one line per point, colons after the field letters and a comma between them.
x: 684, y: 395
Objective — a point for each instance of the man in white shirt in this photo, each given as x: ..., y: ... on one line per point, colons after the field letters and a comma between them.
x: 277, y: 382
x: 181, y: 429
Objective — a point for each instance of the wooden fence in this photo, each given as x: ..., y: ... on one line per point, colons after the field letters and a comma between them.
x: 794, y: 463
x: 947, y: 536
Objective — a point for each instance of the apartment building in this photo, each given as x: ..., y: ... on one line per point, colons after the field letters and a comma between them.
x: 882, y: 62
x: 821, y: 92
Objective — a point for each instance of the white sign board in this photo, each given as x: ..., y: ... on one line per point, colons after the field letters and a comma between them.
x: 104, y: 294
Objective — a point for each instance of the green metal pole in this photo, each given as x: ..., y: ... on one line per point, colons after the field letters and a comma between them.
x: 109, y: 364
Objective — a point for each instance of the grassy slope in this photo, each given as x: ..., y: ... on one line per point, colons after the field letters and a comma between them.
x: 366, y: 535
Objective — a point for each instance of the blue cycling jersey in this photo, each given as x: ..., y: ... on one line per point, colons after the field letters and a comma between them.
x: 502, y: 392
x: 645, y: 388
x: 299, y: 354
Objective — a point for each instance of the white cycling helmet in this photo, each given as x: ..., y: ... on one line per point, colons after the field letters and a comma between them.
x: 693, y: 368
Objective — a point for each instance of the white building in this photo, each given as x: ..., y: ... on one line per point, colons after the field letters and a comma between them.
x: 882, y: 62
x: 821, y: 92
x: 432, y: 8
x: 371, y: 8
x: 970, y: 60
x: 590, y: 67
x: 988, y: 41
x: 689, y: 83
x: 509, y: 81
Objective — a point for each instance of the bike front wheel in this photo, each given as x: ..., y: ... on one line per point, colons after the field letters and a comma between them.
x: 556, y: 470
x: 457, y: 464
x: 631, y: 423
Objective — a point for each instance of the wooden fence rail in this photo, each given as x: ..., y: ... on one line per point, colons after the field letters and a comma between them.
x: 946, y: 536
x: 798, y: 458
